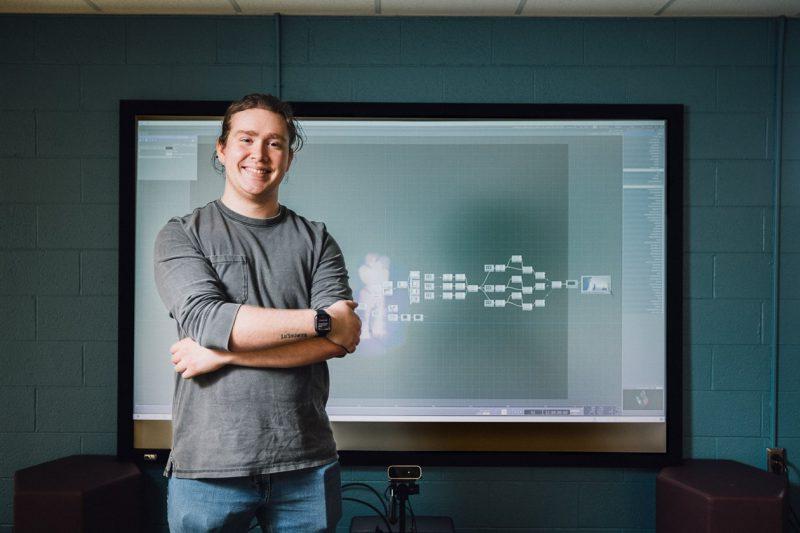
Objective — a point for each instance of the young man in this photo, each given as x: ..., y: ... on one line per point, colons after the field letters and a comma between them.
x: 261, y: 300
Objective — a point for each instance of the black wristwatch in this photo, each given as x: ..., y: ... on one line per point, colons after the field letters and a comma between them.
x: 322, y: 323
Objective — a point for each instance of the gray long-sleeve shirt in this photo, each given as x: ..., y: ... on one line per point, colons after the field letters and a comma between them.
x: 242, y: 421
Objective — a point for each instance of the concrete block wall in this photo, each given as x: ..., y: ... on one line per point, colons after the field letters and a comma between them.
x: 63, y: 77
x: 789, y: 325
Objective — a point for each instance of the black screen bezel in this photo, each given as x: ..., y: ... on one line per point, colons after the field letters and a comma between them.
x: 672, y: 114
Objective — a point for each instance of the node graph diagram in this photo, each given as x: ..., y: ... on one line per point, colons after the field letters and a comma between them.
x: 513, y: 284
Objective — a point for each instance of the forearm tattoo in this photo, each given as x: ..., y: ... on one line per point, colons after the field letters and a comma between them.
x: 285, y: 336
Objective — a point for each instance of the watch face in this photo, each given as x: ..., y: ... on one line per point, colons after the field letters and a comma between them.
x: 323, y: 323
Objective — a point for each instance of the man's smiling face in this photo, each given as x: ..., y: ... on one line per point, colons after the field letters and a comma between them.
x: 256, y: 154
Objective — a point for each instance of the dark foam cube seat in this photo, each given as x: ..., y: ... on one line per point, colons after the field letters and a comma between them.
x: 719, y: 496
x: 89, y: 493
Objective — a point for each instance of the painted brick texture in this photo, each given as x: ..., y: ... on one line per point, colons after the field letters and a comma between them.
x: 58, y: 212
x: 789, y: 338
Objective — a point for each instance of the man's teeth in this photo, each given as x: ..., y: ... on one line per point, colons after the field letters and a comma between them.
x: 257, y: 170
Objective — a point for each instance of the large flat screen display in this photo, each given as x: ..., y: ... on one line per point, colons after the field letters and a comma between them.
x: 516, y: 269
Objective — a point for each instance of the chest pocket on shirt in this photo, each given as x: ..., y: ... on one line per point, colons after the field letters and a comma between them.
x: 232, y: 272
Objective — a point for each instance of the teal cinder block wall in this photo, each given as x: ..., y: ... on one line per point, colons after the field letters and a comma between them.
x: 62, y: 78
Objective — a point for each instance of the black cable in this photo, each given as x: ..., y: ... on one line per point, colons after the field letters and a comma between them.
x: 392, y: 502
x: 375, y: 492
x: 793, y: 523
x: 789, y: 503
x: 377, y: 511
x: 413, y: 517
x: 392, y: 516
x: 793, y: 520
x: 796, y: 524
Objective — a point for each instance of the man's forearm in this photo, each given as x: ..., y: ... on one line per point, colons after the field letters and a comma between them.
x: 257, y: 328
x: 300, y: 353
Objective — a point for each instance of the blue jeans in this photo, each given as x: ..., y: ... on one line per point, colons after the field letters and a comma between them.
x: 305, y: 500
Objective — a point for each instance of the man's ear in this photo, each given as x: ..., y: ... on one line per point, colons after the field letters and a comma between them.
x: 220, y: 151
x: 291, y: 158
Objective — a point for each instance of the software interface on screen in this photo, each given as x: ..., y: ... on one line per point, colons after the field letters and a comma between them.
x: 506, y: 270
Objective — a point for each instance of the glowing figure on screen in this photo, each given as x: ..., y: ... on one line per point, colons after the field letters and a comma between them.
x: 642, y: 399
x: 374, y: 273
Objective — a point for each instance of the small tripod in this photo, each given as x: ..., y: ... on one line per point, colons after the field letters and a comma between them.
x: 400, y: 491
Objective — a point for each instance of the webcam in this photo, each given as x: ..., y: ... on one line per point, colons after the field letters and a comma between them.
x: 404, y: 472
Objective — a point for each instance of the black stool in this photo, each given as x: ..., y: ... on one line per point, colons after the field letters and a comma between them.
x: 719, y: 496
x: 92, y: 493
